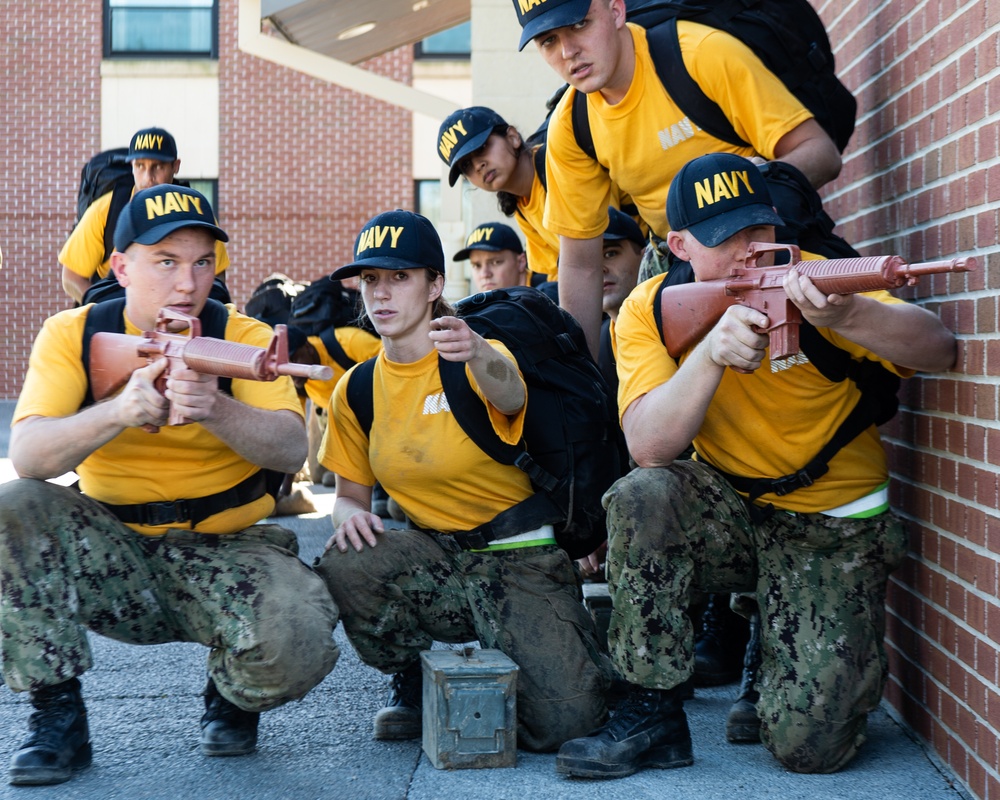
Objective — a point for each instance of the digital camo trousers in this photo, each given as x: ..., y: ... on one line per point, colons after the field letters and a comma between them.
x: 66, y: 565
x: 414, y: 588
x: 820, y: 585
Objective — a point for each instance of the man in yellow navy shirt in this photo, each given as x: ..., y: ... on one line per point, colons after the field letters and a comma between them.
x: 591, y: 47
x: 817, y: 557
x: 153, y: 155
x: 161, y: 543
x: 496, y: 255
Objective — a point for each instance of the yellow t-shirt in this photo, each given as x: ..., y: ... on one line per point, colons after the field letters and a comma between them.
x: 766, y: 424
x: 178, y: 462
x: 358, y: 344
x: 83, y: 252
x: 645, y: 139
x: 419, y: 453
x: 540, y: 245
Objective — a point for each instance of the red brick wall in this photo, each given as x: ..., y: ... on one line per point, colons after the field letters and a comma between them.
x: 303, y: 164
x: 50, y: 69
x: 921, y: 179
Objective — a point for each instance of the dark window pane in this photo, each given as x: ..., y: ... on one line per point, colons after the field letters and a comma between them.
x: 455, y: 41
x: 163, y: 30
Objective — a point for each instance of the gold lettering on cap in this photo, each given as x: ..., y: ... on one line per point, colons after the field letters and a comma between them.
x: 526, y: 5
x: 721, y: 186
x: 149, y: 142
x: 450, y: 138
x: 170, y: 202
x: 478, y: 235
x: 375, y: 237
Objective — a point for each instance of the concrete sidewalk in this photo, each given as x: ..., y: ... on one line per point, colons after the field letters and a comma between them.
x: 144, y: 705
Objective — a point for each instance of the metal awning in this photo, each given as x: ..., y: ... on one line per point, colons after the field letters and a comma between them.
x: 325, y: 26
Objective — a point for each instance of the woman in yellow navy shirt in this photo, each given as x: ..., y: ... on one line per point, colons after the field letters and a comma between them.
x: 400, y: 590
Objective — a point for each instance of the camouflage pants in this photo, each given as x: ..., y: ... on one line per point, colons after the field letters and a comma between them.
x: 819, y: 582
x: 66, y: 565
x: 416, y: 587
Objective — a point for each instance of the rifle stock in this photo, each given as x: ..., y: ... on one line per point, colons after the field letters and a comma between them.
x: 690, y: 311
x: 115, y: 356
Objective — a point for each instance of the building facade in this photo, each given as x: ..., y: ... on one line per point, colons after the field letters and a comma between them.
x: 300, y: 164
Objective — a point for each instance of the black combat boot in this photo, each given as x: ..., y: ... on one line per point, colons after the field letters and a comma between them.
x: 402, y: 716
x: 743, y: 723
x: 719, y: 645
x: 60, y: 739
x: 649, y: 729
x: 226, y: 730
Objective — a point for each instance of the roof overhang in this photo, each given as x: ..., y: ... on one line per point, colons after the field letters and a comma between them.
x: 333, y: 70
x: 325, y: 26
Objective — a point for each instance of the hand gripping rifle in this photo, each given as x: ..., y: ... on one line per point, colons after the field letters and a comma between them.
x: 690, y: 310
x: 115, y: 356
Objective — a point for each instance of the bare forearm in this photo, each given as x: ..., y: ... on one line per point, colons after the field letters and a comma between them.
x: 580, y: 285
x: 809, y: 149
x: 47, y: 447
x: 74, y: 285
x: 662, y: 423
x: 498, y: 379
x: 907, y: 335
x: 271, y: 439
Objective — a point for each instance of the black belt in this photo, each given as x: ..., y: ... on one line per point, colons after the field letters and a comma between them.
x: 194, y: 510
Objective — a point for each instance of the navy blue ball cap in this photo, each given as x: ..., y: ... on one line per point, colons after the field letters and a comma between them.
x: 541, y: 16
x: 492, y: 236
x: 153, y: 143
x: 464, y: 132
x: 160, y: 210
x: 622, y: 226
x: 718, y: 195
x: 395, y: 240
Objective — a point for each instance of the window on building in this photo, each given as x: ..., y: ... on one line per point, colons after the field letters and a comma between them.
x: 428, y: 197
x: 454, y: 43
x: 161, y: 28
x: 208, y: 187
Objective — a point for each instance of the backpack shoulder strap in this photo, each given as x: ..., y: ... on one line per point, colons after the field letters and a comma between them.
x: 335, y: 348
x: 581, y: 124
x: 679, y: 272
x: 360, y: 385
x: 470, y: 412
x: 539, y: 160
x: 877, y: 404
x: 665, y: 50
x: 120, y: 196
x: 108, y: 316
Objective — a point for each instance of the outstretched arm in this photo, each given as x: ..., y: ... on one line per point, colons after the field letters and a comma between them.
x: 496, y: 374
x: 273, y: 439
x: 907, y: 335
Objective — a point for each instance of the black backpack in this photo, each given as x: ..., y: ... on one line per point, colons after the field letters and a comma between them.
x: 271, y: 301
x: 316, y: 308
x: 325, y: 304
x: 569, y: 448
x: 787, y: 35
x: 108, y: 171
